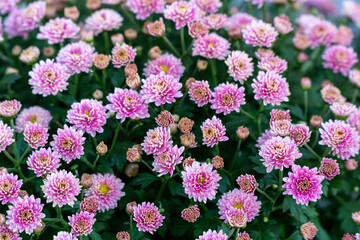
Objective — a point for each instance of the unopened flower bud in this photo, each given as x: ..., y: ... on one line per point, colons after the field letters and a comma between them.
x: 185, y: 125
x: 303, y: 57
x: 155, y: 52
x: 202, y: 64
x: 145, y: 27
x: 117, y: 38
x: 98, y: 94
x: 89, y: 204
x: 189, y: 82
x: 242, y: 132
x: 131, y: 170
x: 123, y: 236
x: 87, y: 35
x: 93, y: 4
x: 11, y: 70
x: 130, y: 34
x: 101, y: 148
x: 157, y: 28
x: 316, y: 122
x: 30, y: 55
x: 176, y: 118
x: 86, y: 180
x: 23, y: 193
x: 164, y: 119
x: 173, y: 128
x: 101, y: 61
x: 188, y: 162
x: 72, y: 13
x: 131, y: 69
x: 39, y: 228
x: 308, y: 230
x: 188, y: 140
x: 48, y: 52
x: 3, y: 171
x: 351, y: 164
x: 133, y: 81
x: 305, y: 83
x: 325, y: 83
x: 133, y: 155
x: 2, y: 219
x: 191, y: 214
x: 16, y: 51
x: 217, y: 162
x: 130, y: 207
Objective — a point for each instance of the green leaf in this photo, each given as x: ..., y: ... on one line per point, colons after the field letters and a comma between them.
x: 144, y: 179
x: 175, y: 188
x: 95, y: 236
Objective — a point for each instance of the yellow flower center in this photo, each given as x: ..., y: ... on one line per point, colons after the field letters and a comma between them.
x: 238, y: 205
x: 164, y: 68
x: 104, y: 189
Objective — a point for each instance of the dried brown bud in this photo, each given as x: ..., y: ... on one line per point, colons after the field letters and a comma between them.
x: 155, y: 52
x: 131, y: 170
x: 72, y: 13
x: 202, y: 64
x: 316, y: 121
x: 101, y: 148
x: 133, y: 81
x: 188, y: 162
x: 189, y: 82
x: 133, y: 155
x: 101, y: 61
x: 86, y: 180
x: 23, y: 193
x: 131, y: 69
x: 188, y: 140
x: 217, y: 162
x: 164, y: 119
x: 130, y: 34
x: 242, y: 132
x: 185, y: 125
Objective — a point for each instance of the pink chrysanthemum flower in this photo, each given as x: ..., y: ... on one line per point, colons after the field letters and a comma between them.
x: 213, y: 132
x: 281, y: 128
x: 356, y: 217
x: 191, y: 214
x: 48, y: 78
x: 161, y: 89
x: 197, y: 29
x: 8, y: 5
x: 259, y: 3
x: 167, y: 63
x: 62, y: 235
x: 200, y: 92
x: 182, y: 13
x: 267, y: 135
x: 279, y: 115
x: 282, y: 24
x: 343, y: 140
x: 215, y: 21
x: 127, y: 103
x: 122, y: 55
x: 264, y: 53
x: 61, y: 188
x: 103, y: 20
x: 329, y: 168
x: 9, y: 108
x: 271, y: 88
x: 144, y: 8
x: 6, y: 136
x: 300, y: 134
x: 7, y: 234
x: 68, y: 143
x: 111, y: 2
x: 57, y: 30
x: 12, y: 24
x: 211, y: 46
x: 354, y: 76
x: 208, y: 6
x: 200, y: 181
x: 213, y: 235
x: 236, y: 218
x: 240, y: 66
x: 278, y: 153
x: 227, y: 97
x: 9, y: 188
x: 77, y: 57
x: 247, y: 183
x: 238, y: 22
x: 239, y: 200
x: 33, y: 114
x: 43, y: 161
x: 35, y: 135
x: 301, y: 41
x: 354, y: 119
x: 25, y: 214
x: 82, y: 223
x: 331, y: 94
x: 157, y: 141
x: 259, y: 33
x: 147, y: 217
x: 322, y: 33
x: 165, y: 162
x: 344, y: 36
x: 308, y: 230
x: 274, y: 63
x: 342, y: 110
x: 106, y: 189
x: 30, y: 55
x: 303, y: 184
x: 89, y: 115
x: 351, y: 9
x: 339, y: 59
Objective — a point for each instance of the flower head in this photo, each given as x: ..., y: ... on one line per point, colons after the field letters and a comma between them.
x: 157, y: 141
x: 43, y: 161
x: 259, y: 33
x: 7, y: 234
x: 342, y: 110
x: 200, y: 92
x: 62, y: 235
x: 308, y: 230
x: 165, y: 162
x: 331, y: 94
x: 35, y: 135
x: 57, y: 30
x: 240, y: 66
x: 215, y: 21
x: 147, y: 217
x: 354, y: 120
x: 282, y: 24
x: 144, y: 8
x: 89, y: 204
x: 236, y: 217
x: 33, y: 114
x: 182, y: 13
x: 9, y: 188
x: 30, y: 55
x: 191, y: 214
x: 82, y: 223
x: 300, y: 134
x: 354, y: 76
x: 247, y: 183
x: 213, y: 235
x: 322, y: 33
x: 103, y: 20
x: 344, y: 36
x: 167, y: 63
x: 9, y: 108
x: 227, y: 97
x: 122, y: 55
x: 8, y: 5
x: 208, y: 6
x: 339, y: 59
x: 213, y: 132
x: 6, y: 136
x: 329, y: 168
x: 197, y: 29
x: 274, y: 63
x: 211, y: 46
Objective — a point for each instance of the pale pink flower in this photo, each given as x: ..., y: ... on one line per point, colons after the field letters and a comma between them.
x: 211, y: 46
x: 167, y: 63
x: 9, y: 188
x: 33, y: 114
x: 340, y: 59
x: 35, y: 135
x: 122, y: 55
x: 200, y: 92
x: 147, y: 217
x: 259, y: 33
x: 213, y: 235
x: 57, y: 30
x: 227, y: 97
x: 213, y: 132
x: 103, y: 20
x: 43, y: 161
x: 144, y: 8
x: 240, y: 66
x: 165, y: 162
x: 182, y: 13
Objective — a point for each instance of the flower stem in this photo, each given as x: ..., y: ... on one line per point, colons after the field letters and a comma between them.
x: 281, y: 174
x: 306, y: 105
x: 247, y: 114
x: 75, y: 86
x: 16, y: 154
x: 217, y: 150
x: 258, y: 118
x: 182, y: 39
x: 231, y: 233
x: 24, y: 154
x: 356, y: 93
x: 312, y: 151
x: 316, y: 139
x: 213, y: 71
x: 106, y: 42
x: 87, y: 163
x: 10, y: 157
x: 104, y: 81
x: 147, y: 165
x: 117, y: 130
x: 264, y: 11
x: 162, y: 188
x: 131, y: 226
x: 96, y: 160
x: 235, y: 155
x: 265, y: 194
x: 167, y: 41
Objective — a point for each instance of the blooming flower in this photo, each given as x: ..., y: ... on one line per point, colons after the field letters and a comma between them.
x: 147, y: 217
x: 9, y: 108
x: 339, y: 58
x: 33, y: 114
x: 259, y: 33
x: 103, y: 20
x: 166, y: 63
x: 35, y: 135
x: 81, y: 223
x: 64, y: 236
x: 106, y: 189
x: 208, y: 6
x: 200, y: 181
x: 165, y: 119
x: 165, y: 162
x: 271, y: 88
x: 329, y: 168
x: 211, y: 46
x: 354, y: 119
x: 213, y: 132
x: 89, y: 115
x: 267, y: 135
x: 236, y: 217
x: 61, y: 188
x: 331, y: 94
x: 25, y: 214
x: 238, y: 22
x: 227, y: 97
x: 7, y: 233
x: 322, y: 33
x: 303, y: 184
x: 6, y: 136
x: 8, y: 5
x: 57, y: 30
x: 215, y: 21
x: 191, y: 214
x: 144, y: 8
x: 282, y: 24
x: 68, y: 143
x: 344, y: 36
x: 182, y: 13
x: 213, y: 235
x: 200, y: 92
x: 308, y: 230
x: 157, y: 141
x: 342, y: 110
x: 89, y: 204
x: 43, y: 161
x: 247, y: 183
x: 9, y: 188
x: 275, y: 64
x: 279, y: 153
x: 197, y: 29
x: 122, y: 55
x: 354, y: 76
x: 300, y: 134
x: 239, y: 65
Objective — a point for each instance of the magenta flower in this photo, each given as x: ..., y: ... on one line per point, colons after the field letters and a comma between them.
x: 200, y: 181
x: 281, y: 128
x: 247, y: 183
x: 43, y: 161
x: 82, y: 223
x: 165, y: 162
x: 259, y: 33
x: 33, y: 114
x: 147, y: 217
x: 7, y: 233
x: 213, y: 235
x: 329, y: 168
x: 57, y: 30
x: 12, y: 24
x: 240, y: 66
x: 166, y: 63
x: 208, y: 6
x: 264, y: 53
x: 9, y: 188
x: 279, y: 115
x: 236, y: 217
x: 35, y: 135
x: 48, y: 78
x: 9, y: 108
x: 68, y: 143
x: 238, y: 22
x: 25, y: 214
x: 300, y: 134
x: 200, y: 92
x: 271, y: 88
x: 144, y: 8
x: 61, y: 188
x: 215, y: 21
x: 211, y: 46
x: 64, y: 236
x: 77, y: 57
x: 157, y: 141
x: 267, y: 135
x: 197, y: 29
x: 122, y: 55
x: 275, y: 64
x: 342, y: 110
x: 8, y: 5
x: 239, y: 200
x: 344, y: 36
x: 303, y: 184
x: 103, y: 20
x: 227, y: 97
x: 182, y: 13
x: 89, y: 115
x: 354, y: 120
x: 107, y: 190
x: 213, y: 132
x: 260, y: 3
x: 339, y: 59
x: 278, y: 153
x: 341, y: 138
x: 322, y: 33
x: 6, y: 136
x: 161, y: 89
